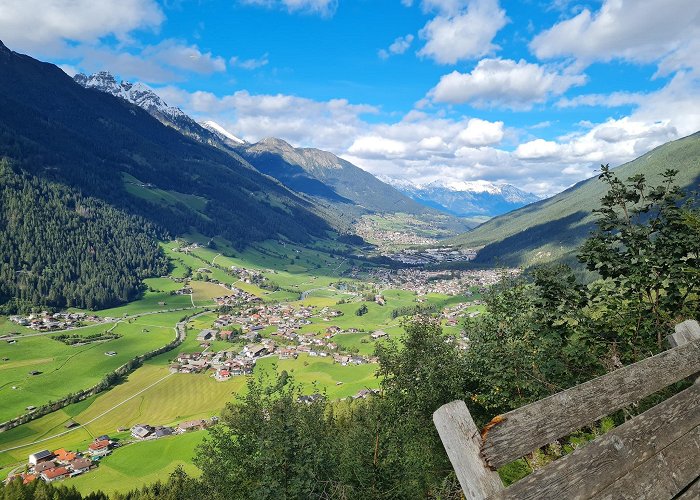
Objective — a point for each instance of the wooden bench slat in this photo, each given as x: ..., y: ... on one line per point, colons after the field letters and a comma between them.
x: 692, y: 493
x: 664, y: 475
x: 593, y: 467
x: 462, y: 441
x: 537, y: 424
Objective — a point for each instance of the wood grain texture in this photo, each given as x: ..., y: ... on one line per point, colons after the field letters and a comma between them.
x: 597, y: 465
x: 462, y: 441
x: 539, y: 423
x: 685, y: 332
x: 692, y: 493
x: 662, y: 476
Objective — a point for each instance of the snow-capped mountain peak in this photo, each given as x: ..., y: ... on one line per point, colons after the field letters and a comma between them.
x: 465, y: 198
x: 136, y: 93
x: 216, y: 128
x: 479, y: 186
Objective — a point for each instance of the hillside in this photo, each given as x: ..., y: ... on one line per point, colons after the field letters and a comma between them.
x: 110, y: 149
x: 554, y: 228
x: 91, y: 182
x: 322, y: 174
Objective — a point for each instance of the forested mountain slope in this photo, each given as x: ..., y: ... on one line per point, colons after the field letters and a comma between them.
x: 89, y: 182
x: 54, y: 128
x: 554, y: 228
x: 62, y: 249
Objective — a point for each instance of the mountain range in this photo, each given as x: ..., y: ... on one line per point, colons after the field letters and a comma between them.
x: 473, y: 199
x: 340, y: 190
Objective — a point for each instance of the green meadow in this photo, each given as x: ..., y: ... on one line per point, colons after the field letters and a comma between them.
x: 151, y: 394
x: 138, y: 464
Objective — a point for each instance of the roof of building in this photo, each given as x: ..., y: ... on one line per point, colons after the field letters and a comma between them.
x: 54, y: 473
x: 64, y: 455
x: 99, y: 444
x: 41, y: 467
x: 40, y: 455
x: 81, y: 463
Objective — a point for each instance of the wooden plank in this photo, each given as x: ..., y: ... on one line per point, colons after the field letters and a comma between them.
x: 462, y: 441
x: 664, y: 475
x: 592, y: 468
x: 685, y: 332
x: 691, y: 493
x: 537, y: 424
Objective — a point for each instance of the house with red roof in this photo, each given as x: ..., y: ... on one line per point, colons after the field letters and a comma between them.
x: 54, y: 474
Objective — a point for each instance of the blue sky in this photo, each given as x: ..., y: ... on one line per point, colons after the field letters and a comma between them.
x: 533, y: 93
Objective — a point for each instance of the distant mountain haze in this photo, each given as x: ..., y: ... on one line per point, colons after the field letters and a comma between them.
x: 553, y: 229
x: 466, y: 198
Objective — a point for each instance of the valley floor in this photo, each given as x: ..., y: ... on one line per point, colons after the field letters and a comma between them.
x: 307, y: 302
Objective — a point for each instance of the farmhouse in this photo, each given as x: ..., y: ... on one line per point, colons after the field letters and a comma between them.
x: 378, y: 334
x: 205, y: 335
x: 40, y: 456
x: 142, y: 431
x: 54, y: 474
x: 98, y: 448
x: 64, y: 456
x: 191, y: 425
x: 80, y: 465
x: 44, y: 466
x: 162, y: 431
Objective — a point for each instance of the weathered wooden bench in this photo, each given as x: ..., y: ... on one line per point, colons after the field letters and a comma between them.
x: 655, y: 455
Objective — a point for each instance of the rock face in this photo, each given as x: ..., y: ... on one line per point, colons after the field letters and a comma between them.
x: 324, y: 175
x: 466, y: 199
x: 144, y: 97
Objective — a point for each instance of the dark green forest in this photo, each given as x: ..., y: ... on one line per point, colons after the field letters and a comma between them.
x: 61, y: 249
x: 543, y: 332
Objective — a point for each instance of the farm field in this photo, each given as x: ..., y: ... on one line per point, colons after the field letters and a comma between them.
x: 141, y: 463
x: 64, y: 369
x: 152, y: 394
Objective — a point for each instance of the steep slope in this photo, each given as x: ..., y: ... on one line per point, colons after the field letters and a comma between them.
x: 324, y: 175
x: 146, y: 98
x: 554, y: 228
x: 55, y: 129
x: 466, y: 199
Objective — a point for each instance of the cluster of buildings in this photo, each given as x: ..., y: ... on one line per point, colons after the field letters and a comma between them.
x: 420, y: 257
x: 259, y: 316
x: 224, y: 363
x: 46, y: 321
x: 143, y: 432
x: 453, y: 314
x: 454, y: 282
x: 61, y: 464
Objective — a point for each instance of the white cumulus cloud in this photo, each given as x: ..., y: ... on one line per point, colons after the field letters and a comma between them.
x: 503, y: 83
x: 459, y: 33
x: 43, y: 26
x: 637, y: 30
x: 481, y: 133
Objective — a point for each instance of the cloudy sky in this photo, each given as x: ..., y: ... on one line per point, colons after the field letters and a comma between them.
x: 534, y: 93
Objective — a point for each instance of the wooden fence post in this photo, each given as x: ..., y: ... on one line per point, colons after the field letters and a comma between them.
x: 462, y: 441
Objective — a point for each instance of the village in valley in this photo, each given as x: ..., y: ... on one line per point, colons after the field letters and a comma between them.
x: 232, y: 321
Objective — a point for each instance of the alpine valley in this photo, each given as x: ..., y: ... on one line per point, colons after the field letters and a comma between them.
x: 196, y: 302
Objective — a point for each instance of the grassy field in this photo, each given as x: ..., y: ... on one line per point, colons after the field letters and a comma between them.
x: 139, y: 464
x: 151, y: 394
x: 65, y: 369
